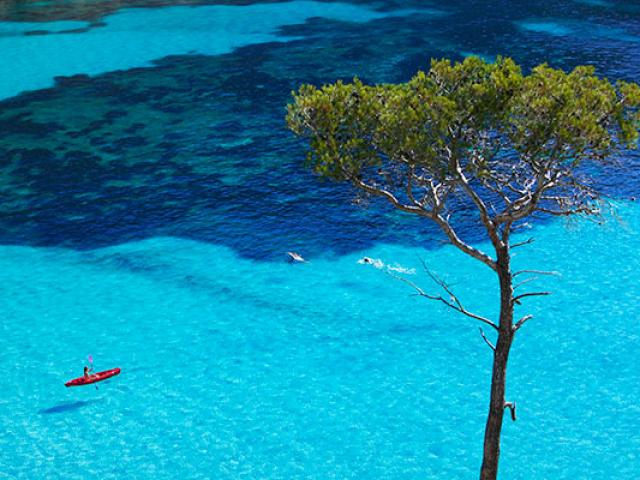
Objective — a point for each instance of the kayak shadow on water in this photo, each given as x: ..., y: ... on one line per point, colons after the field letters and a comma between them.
x: 66, y: 407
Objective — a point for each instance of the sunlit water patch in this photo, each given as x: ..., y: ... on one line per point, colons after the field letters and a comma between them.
x: 551, y: 28
x: 596, y: 3
x: 579, y: 29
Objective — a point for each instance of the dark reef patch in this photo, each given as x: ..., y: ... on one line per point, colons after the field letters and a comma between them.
x: 93, y: 11
x: 21, y: 124
x: 196, y: 146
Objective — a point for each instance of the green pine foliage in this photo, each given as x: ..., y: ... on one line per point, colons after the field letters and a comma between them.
x: 474, y: 110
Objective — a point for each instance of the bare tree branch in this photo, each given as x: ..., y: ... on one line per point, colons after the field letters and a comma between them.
x: 454, y: 303
x: 390, y: 197
x: 521, y: 322
x: 517, y: 298
x: 500, y: 191
x: 526, y: 242
x: 511, y: 406
x: 482, y: 208
x: 570, y: 211
x: 529, y: 200
x: 468, y: 249
x: 491, y: 345
x: 538, y: 272
x: 506, y: 231
x: 531, y: 279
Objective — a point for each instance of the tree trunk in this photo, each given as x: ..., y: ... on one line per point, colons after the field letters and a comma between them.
x: 489, y: 470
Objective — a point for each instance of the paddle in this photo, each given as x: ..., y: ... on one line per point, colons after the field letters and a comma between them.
x: 90, y: 358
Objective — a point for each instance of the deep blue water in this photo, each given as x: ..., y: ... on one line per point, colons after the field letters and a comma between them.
x: 149, y: 190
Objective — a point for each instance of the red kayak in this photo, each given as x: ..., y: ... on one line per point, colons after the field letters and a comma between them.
x: 96, y: 377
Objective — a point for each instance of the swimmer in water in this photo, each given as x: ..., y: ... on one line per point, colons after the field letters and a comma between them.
x: 376, y: 262
x: 295, y: 257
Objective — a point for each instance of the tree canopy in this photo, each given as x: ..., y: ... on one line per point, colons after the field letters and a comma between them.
x: 508, y: 142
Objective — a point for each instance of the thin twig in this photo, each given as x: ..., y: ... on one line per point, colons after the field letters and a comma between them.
x: 521, y: 322
x: 491, y: 346
x: 526, y: 242
x: 517, y: 299
x: 531, y: 279
x: 539, y: 272
x: 511, y: 406
x: 454, y: 303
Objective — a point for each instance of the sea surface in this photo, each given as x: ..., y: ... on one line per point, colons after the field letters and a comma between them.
x: 149, y: 191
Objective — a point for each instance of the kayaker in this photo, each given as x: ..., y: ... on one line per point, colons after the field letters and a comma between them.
x: 86, y: 371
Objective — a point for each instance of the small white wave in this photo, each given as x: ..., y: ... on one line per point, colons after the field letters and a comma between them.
x: 400, y: 269
x: 379, y: 264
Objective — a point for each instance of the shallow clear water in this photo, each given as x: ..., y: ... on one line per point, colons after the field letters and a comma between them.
x: 147, y: 198
x: 137, y: 36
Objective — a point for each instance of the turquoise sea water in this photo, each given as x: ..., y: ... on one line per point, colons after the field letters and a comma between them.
x: 147, y: 198
x: 234, y: 368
